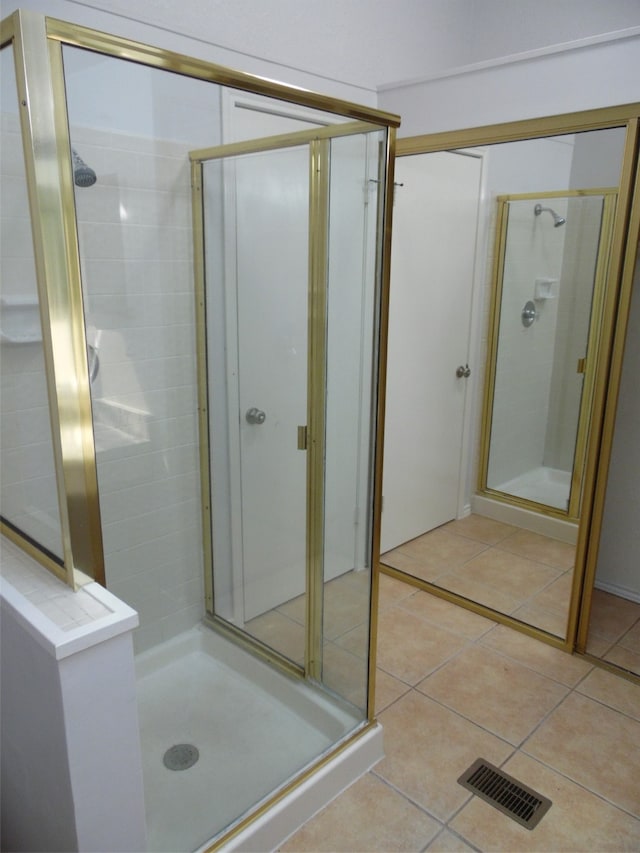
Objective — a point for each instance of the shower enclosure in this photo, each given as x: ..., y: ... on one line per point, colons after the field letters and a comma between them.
x: 552, y: 253
x: 208, y: 270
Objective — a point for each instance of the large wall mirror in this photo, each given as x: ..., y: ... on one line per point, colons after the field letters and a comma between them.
x: 507, y: 260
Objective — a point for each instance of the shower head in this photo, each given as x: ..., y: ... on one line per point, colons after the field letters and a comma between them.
x: 83, y: 175
x: 557, y: 219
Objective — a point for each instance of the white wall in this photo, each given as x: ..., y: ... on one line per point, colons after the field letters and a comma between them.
x: 620, y: 542
x: 593, y: 76
x: 251, y: 47
x: 362, y: 43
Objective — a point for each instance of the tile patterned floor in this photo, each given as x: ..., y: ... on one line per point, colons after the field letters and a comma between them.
x: 453, y: 686
x: 513, y: 571
x: 522, y: 574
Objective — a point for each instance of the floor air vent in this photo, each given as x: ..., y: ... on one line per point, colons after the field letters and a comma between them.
x: 507, y: 794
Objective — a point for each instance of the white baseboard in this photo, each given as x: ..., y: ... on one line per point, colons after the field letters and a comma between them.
x: 554, y: 528
x: 620, y: 591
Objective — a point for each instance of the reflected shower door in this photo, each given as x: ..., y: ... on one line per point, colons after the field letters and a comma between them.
x: 553, y: 253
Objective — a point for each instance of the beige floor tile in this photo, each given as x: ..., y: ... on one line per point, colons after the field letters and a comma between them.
x: 598, y: 646
x: 447, y: 842
x: 624, y: 657
x: 409, y: 648
x: 495, y: 692
x: 547, y: 620
x: 446, y: 615
x: 557, y: 596
x: 427, y: 748
x: 295, y: 609
x: 280, y: 633
x: 480, y: 528
x: 474, y: 590
x: 355, y: 641
x: 443, y: 548
x: 613, y: 691
x: 510, y: 573
x: 369, y: 816
x: 392, y: 590
x: 611, y: 616
x: 346, y: 605
x: 346, y: 674
x: 595, y: 746
x: 544, y: 659
x: 631, y: 639
x: 577, y: 820
x: 540, y: 548
x: 417, y: 567
x: 388, y: 689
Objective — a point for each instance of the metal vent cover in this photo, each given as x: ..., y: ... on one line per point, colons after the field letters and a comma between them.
x: 508, y: 795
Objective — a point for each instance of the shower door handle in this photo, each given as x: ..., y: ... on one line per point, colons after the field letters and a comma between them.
x: 255, y: 416
x: 463, y: 370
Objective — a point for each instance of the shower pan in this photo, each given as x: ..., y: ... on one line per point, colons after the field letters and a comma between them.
x: 220, y: 240
x: 542, y: 357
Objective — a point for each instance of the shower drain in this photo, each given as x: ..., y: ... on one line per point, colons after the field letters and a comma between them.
x: 182, y: 756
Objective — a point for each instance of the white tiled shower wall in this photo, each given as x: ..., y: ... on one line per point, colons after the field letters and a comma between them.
x: 136, y: 252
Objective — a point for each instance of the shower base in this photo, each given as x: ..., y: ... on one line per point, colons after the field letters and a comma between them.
x: 549, y: 486
x: 253, y: 727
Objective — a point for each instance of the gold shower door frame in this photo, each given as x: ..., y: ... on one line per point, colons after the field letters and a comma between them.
x: 311, y: 436
x: 592, y: 349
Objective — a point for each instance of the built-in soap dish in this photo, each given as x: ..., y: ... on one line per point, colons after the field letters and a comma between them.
x: 19, y: 320
x: 545, y: 288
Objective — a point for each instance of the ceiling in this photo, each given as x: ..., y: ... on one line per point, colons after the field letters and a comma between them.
x: 371, y: 43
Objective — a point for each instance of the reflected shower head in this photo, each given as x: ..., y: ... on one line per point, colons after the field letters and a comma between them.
x: 557, y: 219
x: 83, y: 176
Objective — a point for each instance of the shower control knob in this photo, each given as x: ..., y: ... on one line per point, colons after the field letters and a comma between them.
x: 255, y: 416
x: 463, y: 371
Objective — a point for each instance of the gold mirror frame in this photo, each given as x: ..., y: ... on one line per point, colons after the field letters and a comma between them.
x: 606, y: 372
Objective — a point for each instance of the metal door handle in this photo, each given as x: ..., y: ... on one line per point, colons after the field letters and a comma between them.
x: 463, y: 371
x: 255, y: 416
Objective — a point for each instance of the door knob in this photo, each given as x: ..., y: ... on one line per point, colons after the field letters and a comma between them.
x: 255, y: 416
x: 463, y: 371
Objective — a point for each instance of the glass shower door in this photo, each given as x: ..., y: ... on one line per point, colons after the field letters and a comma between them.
x: 256, y: 234
x: 288, y: 288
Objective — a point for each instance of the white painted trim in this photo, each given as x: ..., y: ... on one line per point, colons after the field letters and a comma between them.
x: 474, y: 351
x: 270, y: 830
x: 512, y: 59
x: 620, y: 591
x: 554, y: 528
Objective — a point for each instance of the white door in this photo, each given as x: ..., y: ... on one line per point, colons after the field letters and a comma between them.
x: 272, y: 231
x: 432, y: 268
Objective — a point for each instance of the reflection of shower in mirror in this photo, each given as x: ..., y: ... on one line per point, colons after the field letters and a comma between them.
x: 557, y: 219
